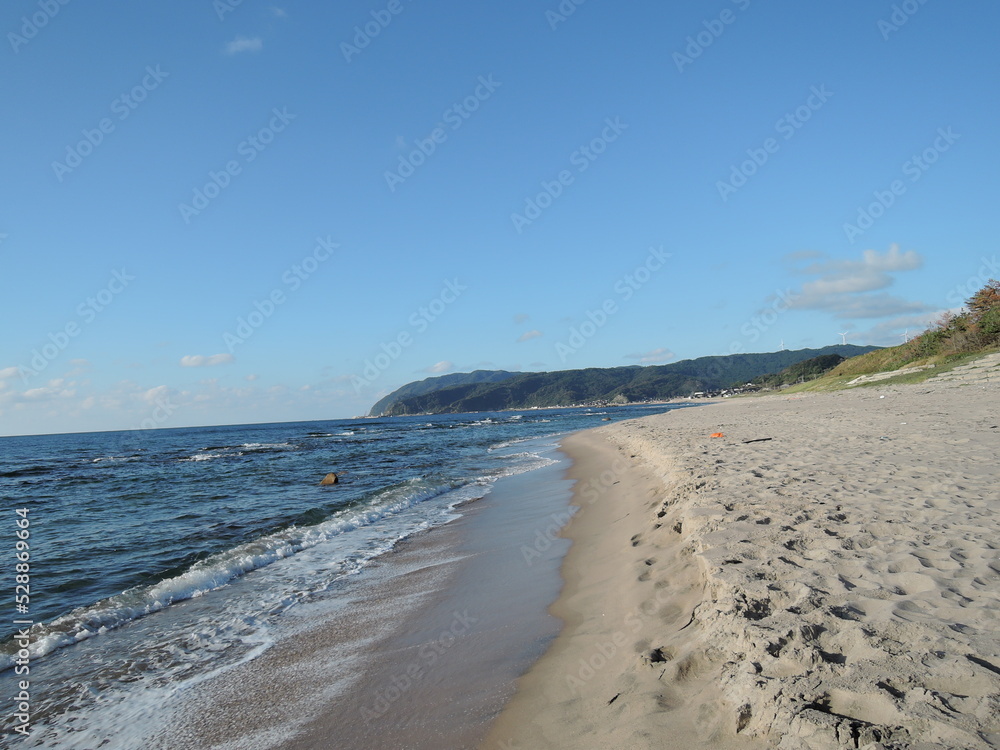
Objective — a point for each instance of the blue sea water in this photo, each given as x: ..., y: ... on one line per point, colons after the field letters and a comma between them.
x: 130, y: 531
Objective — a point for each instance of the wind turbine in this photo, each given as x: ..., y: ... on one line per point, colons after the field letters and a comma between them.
x: 782, y: 345
x: 843, y: 337
x: 906, y: 336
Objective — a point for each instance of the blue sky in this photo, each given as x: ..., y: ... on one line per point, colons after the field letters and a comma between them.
x: 239, y: 212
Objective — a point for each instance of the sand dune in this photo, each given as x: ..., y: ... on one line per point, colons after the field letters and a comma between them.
x: 833, y: 586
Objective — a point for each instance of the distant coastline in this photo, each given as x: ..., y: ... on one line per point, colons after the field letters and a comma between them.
x: 499, y: 390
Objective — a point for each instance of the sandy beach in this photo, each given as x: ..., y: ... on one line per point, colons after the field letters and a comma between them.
x: 824, y: 575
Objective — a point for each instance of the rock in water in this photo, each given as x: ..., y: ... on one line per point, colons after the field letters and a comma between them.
x: 330, y: 479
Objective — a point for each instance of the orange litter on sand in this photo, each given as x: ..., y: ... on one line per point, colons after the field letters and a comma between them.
x: 716, y: 434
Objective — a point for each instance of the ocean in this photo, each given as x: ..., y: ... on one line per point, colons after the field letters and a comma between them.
x: 162, y: 558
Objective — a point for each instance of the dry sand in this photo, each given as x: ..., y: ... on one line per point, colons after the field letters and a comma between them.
x: 835, y: 586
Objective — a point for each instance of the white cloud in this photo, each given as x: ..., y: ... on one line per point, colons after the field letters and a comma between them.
x: 242, y: 44
x: 152, y: 395
x: 200, y: 360
x: 527, y: 336
x: 845, y: 287
x: 520, y: 318
x: 251, y: 377
x: 279, y: 12
x: 871, y: 261
x: 9, y: 372
x: 440, y: 367
x: 52, y: 390
x: 653, y: 357
x: 873, y: 306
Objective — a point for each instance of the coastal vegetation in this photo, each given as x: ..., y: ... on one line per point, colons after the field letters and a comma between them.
x: 955, y: 339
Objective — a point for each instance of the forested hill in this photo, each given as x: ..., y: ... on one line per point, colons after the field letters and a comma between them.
x: 486, y: 390
x: 421, y: 387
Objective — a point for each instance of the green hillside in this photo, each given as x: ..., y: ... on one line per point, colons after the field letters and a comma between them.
x: 427, y: 385
x: 609, y: 385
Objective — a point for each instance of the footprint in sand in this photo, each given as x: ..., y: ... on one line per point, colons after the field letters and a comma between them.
x: 910, y: 611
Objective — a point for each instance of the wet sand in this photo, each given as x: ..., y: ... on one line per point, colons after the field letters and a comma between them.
x: 421, y: 650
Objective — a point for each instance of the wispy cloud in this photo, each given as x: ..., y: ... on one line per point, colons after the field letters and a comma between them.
x: 279, y: 12
x: 520, y: 318
x: 200, y: 360
x: 54, y: 389
x: 852, y: 288
x: 243, y: 44
x: 653, y: 357
x: 440, y: 367
x: 529, y: 335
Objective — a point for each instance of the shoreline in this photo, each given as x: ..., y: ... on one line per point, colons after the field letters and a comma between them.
x: 835, y: 586
x: 602, y: 672
x: 387, y: 665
